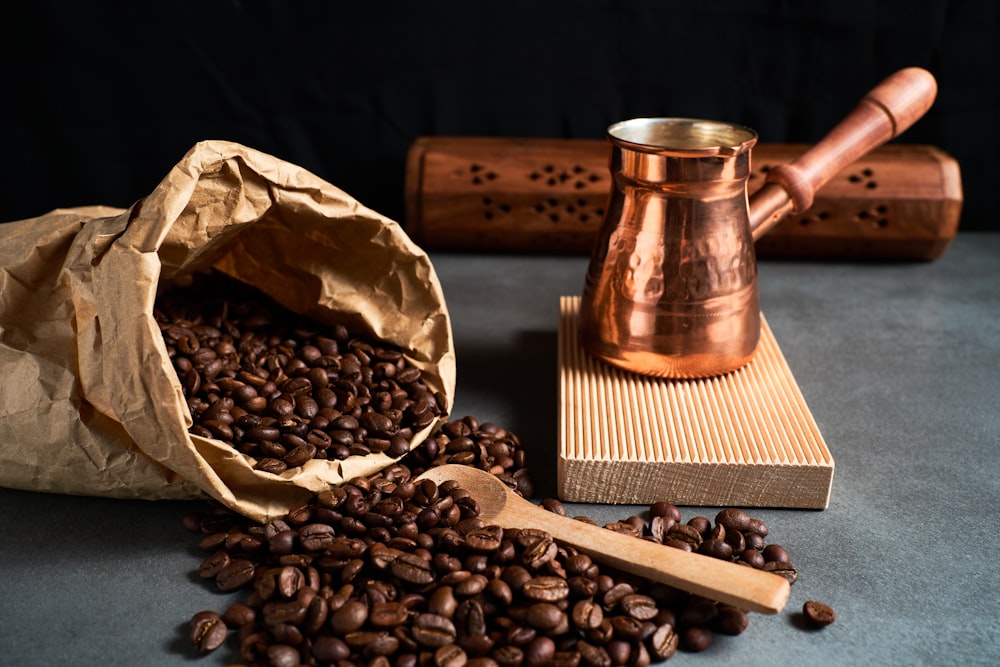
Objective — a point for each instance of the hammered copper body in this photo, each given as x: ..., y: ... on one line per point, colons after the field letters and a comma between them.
x: 671, y: 289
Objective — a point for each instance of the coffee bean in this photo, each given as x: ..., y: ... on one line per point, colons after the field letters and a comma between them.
x: 593, y: 656
x: 282, y: 655
x: 730, y: 620
x: 696, y: 638
x: 413, y: 569
x: 716, y: 548
x: 545, y: 589
x: 238, y: 614
x: 450, y: 655
x: 733, y: 519
x: 776, y: 553
x: 664, y: 641
x: 540, y: 651
x: 433, y: 630
x: 818, y: 614
x: 784, y: 569
x: 211, y: 566
x: 329, y: 649
x: 349, y: 617
x: 208, y: 631
x: 485, y: 540
x: 387, y: 614
x: 235, y: 575
x: 641, y: 607
x: 587, y: 615
x: 545, y: 616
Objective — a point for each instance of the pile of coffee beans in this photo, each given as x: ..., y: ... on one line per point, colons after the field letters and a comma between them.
x: 283, y: 389
x: 392, y: 571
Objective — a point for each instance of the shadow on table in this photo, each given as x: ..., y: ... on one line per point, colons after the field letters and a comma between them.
x: 518, y: 384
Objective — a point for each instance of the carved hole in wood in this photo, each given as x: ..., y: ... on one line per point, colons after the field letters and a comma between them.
x: 816, y: 216
x: 555, y: 177
x: 876, y: 216
x: 567, y: 209
x: 866, y: 176
x: 490, y: 211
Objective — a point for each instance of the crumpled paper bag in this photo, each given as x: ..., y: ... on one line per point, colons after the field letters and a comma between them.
x: 90, y: 403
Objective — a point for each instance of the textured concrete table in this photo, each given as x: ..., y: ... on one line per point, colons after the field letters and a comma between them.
x: 899, y: 363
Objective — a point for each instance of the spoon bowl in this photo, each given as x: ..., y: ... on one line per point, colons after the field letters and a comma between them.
x: 712, y: 578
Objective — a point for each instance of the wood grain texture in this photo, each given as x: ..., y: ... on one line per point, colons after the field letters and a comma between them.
x: 900, y: 202
x: 743, y: 439
x: 713, y: 578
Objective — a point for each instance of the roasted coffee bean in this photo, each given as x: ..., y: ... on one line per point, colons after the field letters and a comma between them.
x: 553, y: 505
x: 696, y: 638
x: 641, y: 607
x: 349, y: 617
x: 730, y: 620
x: 413, y: 569
x: 776, y: 553
x: 329, y: 649
x: 616, y: 594
x: 664, y: 641
x: 752, y: 557
x: 433, y: 630
x: 282, y: 655
x: 474, y: 584
x: 285, y: 611
x: 587, y: 614
x: 686, y: 534
x: 716, y: 548
x: 208, y: 631
x: 818, y: 614
x: 545, y: 589
x: 733, y: 519
x: 782, y: 568
x: 211, y: 566
x: 698, y: 611
x: 318, y: 537
x: 545, y: 616
x: 485, y: 540
x: 540, y: 651
x: 593, y: 656
x: 238, y: 573
x: 238, y: 614
x: 626, y: 627
x: 387, y: 614
x: 450, y: 655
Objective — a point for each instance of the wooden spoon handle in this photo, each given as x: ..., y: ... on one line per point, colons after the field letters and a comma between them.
x: 884, y: 113
x: 715, y: 579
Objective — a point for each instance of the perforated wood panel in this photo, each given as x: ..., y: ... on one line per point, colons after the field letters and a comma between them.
x: 900, y: 201
x: 743, y: 439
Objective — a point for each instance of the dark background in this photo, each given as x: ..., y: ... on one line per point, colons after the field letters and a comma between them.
x: 101, y: 99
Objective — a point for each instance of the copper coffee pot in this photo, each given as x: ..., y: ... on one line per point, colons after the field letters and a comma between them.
x: 671, y: 290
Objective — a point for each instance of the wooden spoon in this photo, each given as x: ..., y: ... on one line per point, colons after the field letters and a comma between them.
x: 719, y: 580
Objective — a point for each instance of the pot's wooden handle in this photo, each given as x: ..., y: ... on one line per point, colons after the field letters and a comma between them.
x: 884, y: 113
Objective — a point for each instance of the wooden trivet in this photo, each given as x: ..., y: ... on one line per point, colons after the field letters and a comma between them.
x: 743, y: 439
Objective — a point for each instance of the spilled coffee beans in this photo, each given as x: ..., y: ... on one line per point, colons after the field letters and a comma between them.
x: 390, y: 571
x: 283, y: 389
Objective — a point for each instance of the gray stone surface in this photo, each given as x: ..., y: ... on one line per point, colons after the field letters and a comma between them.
x: 899, y: 364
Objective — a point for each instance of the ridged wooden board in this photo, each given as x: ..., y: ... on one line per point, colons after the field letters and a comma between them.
x: 743, y: 439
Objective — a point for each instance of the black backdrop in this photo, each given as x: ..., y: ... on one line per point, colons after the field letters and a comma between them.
x: 102, y: 98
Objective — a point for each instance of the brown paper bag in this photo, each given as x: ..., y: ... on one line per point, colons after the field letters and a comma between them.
x: 90, y: 403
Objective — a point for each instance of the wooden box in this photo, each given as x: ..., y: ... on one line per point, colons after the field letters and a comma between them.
x: 901, y: 202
